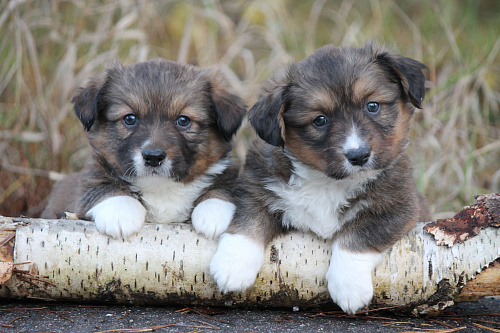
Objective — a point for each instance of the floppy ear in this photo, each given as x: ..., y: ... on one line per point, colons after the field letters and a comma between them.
x: 86, y: 101
x: 266, y: 116
x: 410, y: 75
x: 229, y: 108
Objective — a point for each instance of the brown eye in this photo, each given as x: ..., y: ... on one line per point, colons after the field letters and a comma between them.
x: 130, y: 120
x: 372, y: 107
x: 320, y: 121
x: 183, y: 121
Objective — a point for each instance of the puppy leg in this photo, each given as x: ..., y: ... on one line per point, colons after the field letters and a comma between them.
x: 237, y: 261
x: 349, y: 277
x: 119, y: 217
x: 63, y: 197
x: 211, y: 217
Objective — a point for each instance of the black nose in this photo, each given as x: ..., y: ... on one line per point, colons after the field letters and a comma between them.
x: 153, y: 157
x: 358, y: 156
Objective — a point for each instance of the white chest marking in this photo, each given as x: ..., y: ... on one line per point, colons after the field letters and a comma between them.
x: 169, y: 201
x: 312, y: 201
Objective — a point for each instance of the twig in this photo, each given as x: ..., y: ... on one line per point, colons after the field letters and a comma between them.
x: 486, y: 327
x: 187, y: 310
x: 7, y: 239
x: 125, y: 315
x: 394, y: 323
x: 487, y: 321
x: 324, y: 314
x: 181, y: 325
x: 22, y: 278
x: 380, y: 309
x: 21, y: 263
x: 25, y: 272
x: 484, y: 314
x: 441, y: 322
x: 62, y: 316
x: 25, y: 275
x: 369, y: 317
x: 284, y: 317
x: 152, y: 328
x: 435, y: 330
x: 128, y: 330
x: 13, y: 320
x: 205, y: 323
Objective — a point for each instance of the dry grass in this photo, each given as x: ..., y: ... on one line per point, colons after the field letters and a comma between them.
x: 48, y: 48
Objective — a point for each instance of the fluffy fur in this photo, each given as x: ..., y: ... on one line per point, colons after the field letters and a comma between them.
x: 237, y: 262
x: 331, y: 159
x: 160, y: 133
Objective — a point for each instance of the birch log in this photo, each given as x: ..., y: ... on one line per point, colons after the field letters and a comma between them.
x: 169, y: 264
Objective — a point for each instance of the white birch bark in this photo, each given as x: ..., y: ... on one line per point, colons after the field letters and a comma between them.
x: 169, y: 264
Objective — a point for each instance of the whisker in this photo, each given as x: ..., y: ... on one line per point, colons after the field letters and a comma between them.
x: 129, y: 171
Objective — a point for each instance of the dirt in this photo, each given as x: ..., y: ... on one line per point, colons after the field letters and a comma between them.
x: 479, y: 316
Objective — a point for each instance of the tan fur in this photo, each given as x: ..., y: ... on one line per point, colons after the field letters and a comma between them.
x: 337, y: 83
x: 157, y: 93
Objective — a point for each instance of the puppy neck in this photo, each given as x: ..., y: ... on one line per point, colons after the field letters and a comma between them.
x: 168, y: 200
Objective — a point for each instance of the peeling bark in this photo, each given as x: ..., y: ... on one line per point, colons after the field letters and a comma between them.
x: 467, y: 223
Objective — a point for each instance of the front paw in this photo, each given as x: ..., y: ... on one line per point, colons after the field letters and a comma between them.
x: 349, y: 278
x: 212, y: 217
x: 119, y: 217
x: 236, y: 263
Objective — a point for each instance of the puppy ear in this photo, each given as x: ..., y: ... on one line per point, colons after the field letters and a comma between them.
x: 266, y: 116
x: 229, y: 108
x: 410, y: 75
x: 86, y: 101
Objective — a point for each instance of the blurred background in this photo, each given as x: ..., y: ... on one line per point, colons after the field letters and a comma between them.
x: 48, y: 48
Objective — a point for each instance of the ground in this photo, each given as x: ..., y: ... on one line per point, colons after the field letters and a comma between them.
x: 15, y: 316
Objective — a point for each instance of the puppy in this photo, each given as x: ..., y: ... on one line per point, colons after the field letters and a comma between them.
x: 160, y: 133
x: 331, y: 160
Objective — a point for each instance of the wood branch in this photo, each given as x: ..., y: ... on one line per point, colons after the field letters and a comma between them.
x: 169, y: 264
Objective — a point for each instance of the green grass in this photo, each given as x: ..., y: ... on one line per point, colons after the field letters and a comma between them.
x: 49, y: 48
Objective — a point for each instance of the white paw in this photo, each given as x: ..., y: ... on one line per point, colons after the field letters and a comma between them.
x: 236, y: 263
x: 118, y: 217
x: 349, y: 278
x: 212, y: 217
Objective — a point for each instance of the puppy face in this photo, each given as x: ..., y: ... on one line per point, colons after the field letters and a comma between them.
x: 342, y: 110
x: 159, y: 118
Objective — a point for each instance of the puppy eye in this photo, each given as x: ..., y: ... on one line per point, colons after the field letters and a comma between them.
x: 130, y: 120
x: 372, y: 107
x: 183, y: 121
x: 320, y: 121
